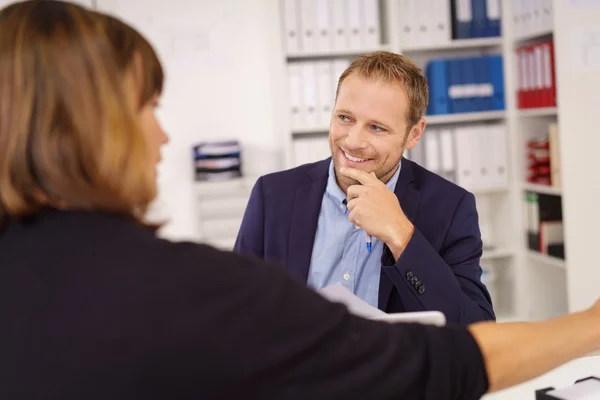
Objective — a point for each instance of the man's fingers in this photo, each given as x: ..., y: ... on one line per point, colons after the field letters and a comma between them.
x: 363, y: 177
x: 355, y: 190
x: 351, y: 205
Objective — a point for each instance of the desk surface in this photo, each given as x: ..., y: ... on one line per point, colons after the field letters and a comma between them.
x: 563, y: 376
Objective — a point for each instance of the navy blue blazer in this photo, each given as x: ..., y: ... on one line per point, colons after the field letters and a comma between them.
x: 438, y: 270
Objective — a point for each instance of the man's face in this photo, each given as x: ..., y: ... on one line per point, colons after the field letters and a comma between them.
x: 368, y: 129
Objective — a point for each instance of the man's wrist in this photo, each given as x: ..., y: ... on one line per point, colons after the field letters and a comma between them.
x: 399, y: 240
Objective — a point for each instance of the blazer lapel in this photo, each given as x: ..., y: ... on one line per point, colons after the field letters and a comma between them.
x: 408, y: 196
x: 305, y: 217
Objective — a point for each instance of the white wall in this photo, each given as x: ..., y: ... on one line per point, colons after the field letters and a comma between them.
x: 578, y: 95
x: 220, y: 58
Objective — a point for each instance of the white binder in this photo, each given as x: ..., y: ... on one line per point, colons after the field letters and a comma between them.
x: 291, y: 22
x: 295, y: 95
x: 339, y: 26
x: 547, y: 15
x: 464, y: 157
x: 309, y: 95
x: 408, y: 15
x: 325, y: 94
x: 441, y: 29
x: 447, y: 153
x: 323, y: 26
x: 498, y: 141
x: 308, y: 22
x: 432, y: 151
x: 356, y: 33
x: 371, y: 24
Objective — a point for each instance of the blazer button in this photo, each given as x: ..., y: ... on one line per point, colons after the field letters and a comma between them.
x: 409, y: 275
x: 421, y: 289
x: 418, y: 284
x: 414, y: 280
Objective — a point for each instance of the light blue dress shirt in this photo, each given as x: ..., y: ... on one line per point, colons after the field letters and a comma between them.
x: 339, y: 253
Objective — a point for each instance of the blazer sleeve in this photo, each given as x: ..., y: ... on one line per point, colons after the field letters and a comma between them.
x: 250, y: 238
x: 245, y: 329
x: 448, y: 281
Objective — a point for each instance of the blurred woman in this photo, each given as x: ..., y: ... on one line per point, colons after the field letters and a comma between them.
x: 94, y: 306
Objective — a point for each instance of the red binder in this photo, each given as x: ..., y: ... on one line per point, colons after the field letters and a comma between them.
x: 521, y: 101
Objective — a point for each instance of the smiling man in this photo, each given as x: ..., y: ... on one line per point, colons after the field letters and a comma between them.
x: 398, y: 236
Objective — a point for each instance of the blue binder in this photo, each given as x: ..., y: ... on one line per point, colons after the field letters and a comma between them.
x: 493, y: 26
x: 463, y: 29
x: 468, y: 71
x: 436, y: 73
x: 479, y: 12
x: 497, y: 77
x: 482, y: 77
x: 453, y: 80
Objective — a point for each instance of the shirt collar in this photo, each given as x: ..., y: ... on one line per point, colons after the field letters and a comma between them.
x: 333, y: 190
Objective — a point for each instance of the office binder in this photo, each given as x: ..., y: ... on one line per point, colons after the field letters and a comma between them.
x: 441, y: 28
x: 371, y: 24
x: 448, y: 168
x: 465, y: 162
x: 295, y: 95
x: 339, y: 27
x: 436, y: 73
x: 538, y: 100
x: 471, y: 91
x: 308, y: 22
x: 291, y: 22
x: 549, y: 89
x: 324, y: 93
x: 498, y: 150
x: 493, y: 18
x: 520, y: 78
x: 355, y: 25
x: 408, y: 25
x: 547, y: 15
x: 432, y: 151
x: 497, y: 76
x: 463, y: 19
x: 479, y: 13
x: 323, y: 39
x: 483, y: 79
x: 309, y: 95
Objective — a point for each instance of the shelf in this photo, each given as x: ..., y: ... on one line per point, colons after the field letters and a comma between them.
x: 543, y: 189
x: 333, y: 53
x: 494, y: 254
x: 457, y: 44
x: 533, y: 36
x: 310, y: 131
x: 538, y: 112
x: 488, y: 190
x: 465, y: 117
x: 545, y: 259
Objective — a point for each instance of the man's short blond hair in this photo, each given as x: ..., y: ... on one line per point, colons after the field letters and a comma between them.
x: 391, y: 67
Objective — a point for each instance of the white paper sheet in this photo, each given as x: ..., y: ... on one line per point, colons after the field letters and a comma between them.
x: 339, y: 294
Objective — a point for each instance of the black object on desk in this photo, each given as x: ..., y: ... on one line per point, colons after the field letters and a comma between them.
x: 547, y: 393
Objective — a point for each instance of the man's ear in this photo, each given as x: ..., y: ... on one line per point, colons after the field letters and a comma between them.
x: 415, y: 134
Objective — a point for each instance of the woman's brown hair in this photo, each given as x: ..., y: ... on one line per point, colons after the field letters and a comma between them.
x: 133, y: 50
x: 69, y: 135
